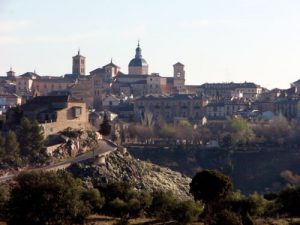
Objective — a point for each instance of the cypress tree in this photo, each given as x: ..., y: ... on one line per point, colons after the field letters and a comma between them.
x: 105, y: 127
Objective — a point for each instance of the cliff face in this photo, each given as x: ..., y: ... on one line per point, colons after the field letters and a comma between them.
x: 120, y: 167
x: 251, y: 170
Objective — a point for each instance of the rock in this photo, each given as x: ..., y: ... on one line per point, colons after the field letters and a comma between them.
x: 125, y: 168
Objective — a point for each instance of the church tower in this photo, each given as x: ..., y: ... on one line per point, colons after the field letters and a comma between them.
x: 78, y: 67
x: 179, y: 77
x: 10, y: 74
x: 138, y: 65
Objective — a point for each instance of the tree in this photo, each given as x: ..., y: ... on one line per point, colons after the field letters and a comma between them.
x: 105, y: 127
x: 242, y: 132
x: 2, y: 147
x: 289, y: 201
x: 4, y: 198
x: 122, y: 200
x: 147, y: 119
x: 187, y: 211
x: 41, y: 198
x: 31, y: 140
x: 163, y: 205
x: 210, y: 186
x: 12, y: 151
x: 93, y: 199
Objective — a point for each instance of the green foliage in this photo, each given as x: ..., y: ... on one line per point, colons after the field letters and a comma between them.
x: 167, y: 131
x: 241, y: 131
x: 71, y: 133
x: 4, y: 198
x: 210, y: 186
x: 105, y: 127
x: 2, y: 147
x: 163, y: 204
x: 41, y: 198
x: 228, y: 142
x: 12, y: 151
x: 184, y: 123
x: 226, y: 217
x: 122, y: 200
x: 289, y: 200
x: 186, y: 212
x: 258, y: 205
x: 31, y: 140
x: 93, y: 200
x: 9, y: 151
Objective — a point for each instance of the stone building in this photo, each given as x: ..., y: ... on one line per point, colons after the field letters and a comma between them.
x: 221, y: 109
x: 7, y: 101
x: 169, y: 108
x: 138, y: 65
x: 56, y: 113
x: 288, y: 107
x: 43, y: 85
x: 78, y: 65
x: 11, y: 75
x: 228, y: 90
x: 179, y: 78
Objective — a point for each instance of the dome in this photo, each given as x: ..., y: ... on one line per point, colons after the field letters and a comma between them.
x: 138, y: 62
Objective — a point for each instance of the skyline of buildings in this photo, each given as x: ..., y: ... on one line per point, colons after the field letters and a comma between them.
x: 217, y: 40
x: 84, y: 70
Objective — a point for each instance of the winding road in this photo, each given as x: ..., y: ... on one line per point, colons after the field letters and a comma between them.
x: 104, y: 147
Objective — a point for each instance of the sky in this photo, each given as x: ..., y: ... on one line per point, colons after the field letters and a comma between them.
x: 217, y: 40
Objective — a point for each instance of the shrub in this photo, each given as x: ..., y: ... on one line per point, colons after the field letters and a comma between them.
x: 163, y: 204
x: 226, y: 217
x: 186, y: 212
x: 41, y: 198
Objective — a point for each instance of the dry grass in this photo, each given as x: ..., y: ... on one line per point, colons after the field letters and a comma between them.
x: 105, y: 220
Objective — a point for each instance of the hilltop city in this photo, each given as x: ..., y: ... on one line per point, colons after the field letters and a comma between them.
x: 111, y: 146
x: 129, y: 96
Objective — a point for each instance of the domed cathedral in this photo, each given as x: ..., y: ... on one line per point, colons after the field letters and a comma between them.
x: 138, y: 65
x: 78, y: 66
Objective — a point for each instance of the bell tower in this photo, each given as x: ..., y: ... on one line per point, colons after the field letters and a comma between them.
x: 179, y: 77
x: 11, y: 74
x: 78, y: 66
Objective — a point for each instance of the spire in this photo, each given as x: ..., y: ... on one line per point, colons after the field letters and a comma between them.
x: 78, y: 51
x: 138, y: 51
x: 111, y: 60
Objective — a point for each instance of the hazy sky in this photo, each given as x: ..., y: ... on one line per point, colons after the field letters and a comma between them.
x: 217, y: 40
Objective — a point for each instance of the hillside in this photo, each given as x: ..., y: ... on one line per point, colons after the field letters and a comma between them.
x: 119, y: 167
x: 251, y: 169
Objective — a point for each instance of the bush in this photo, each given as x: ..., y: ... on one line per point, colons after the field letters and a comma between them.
x: 289, y: 200
x: 93, y: 199
x: 210, y: 186
x: 226, y: 217
x: 71, y: 133
x: 122, y: 200
x: 187, y: 212
x: 4, y: 198
x: 163, y: 204
x: 41, y: 198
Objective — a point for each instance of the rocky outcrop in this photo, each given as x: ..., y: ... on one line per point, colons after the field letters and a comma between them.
x: 72, y: 143
x: 122, y: 167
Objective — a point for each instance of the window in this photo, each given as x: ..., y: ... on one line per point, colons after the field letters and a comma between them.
x: 77, y: 112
